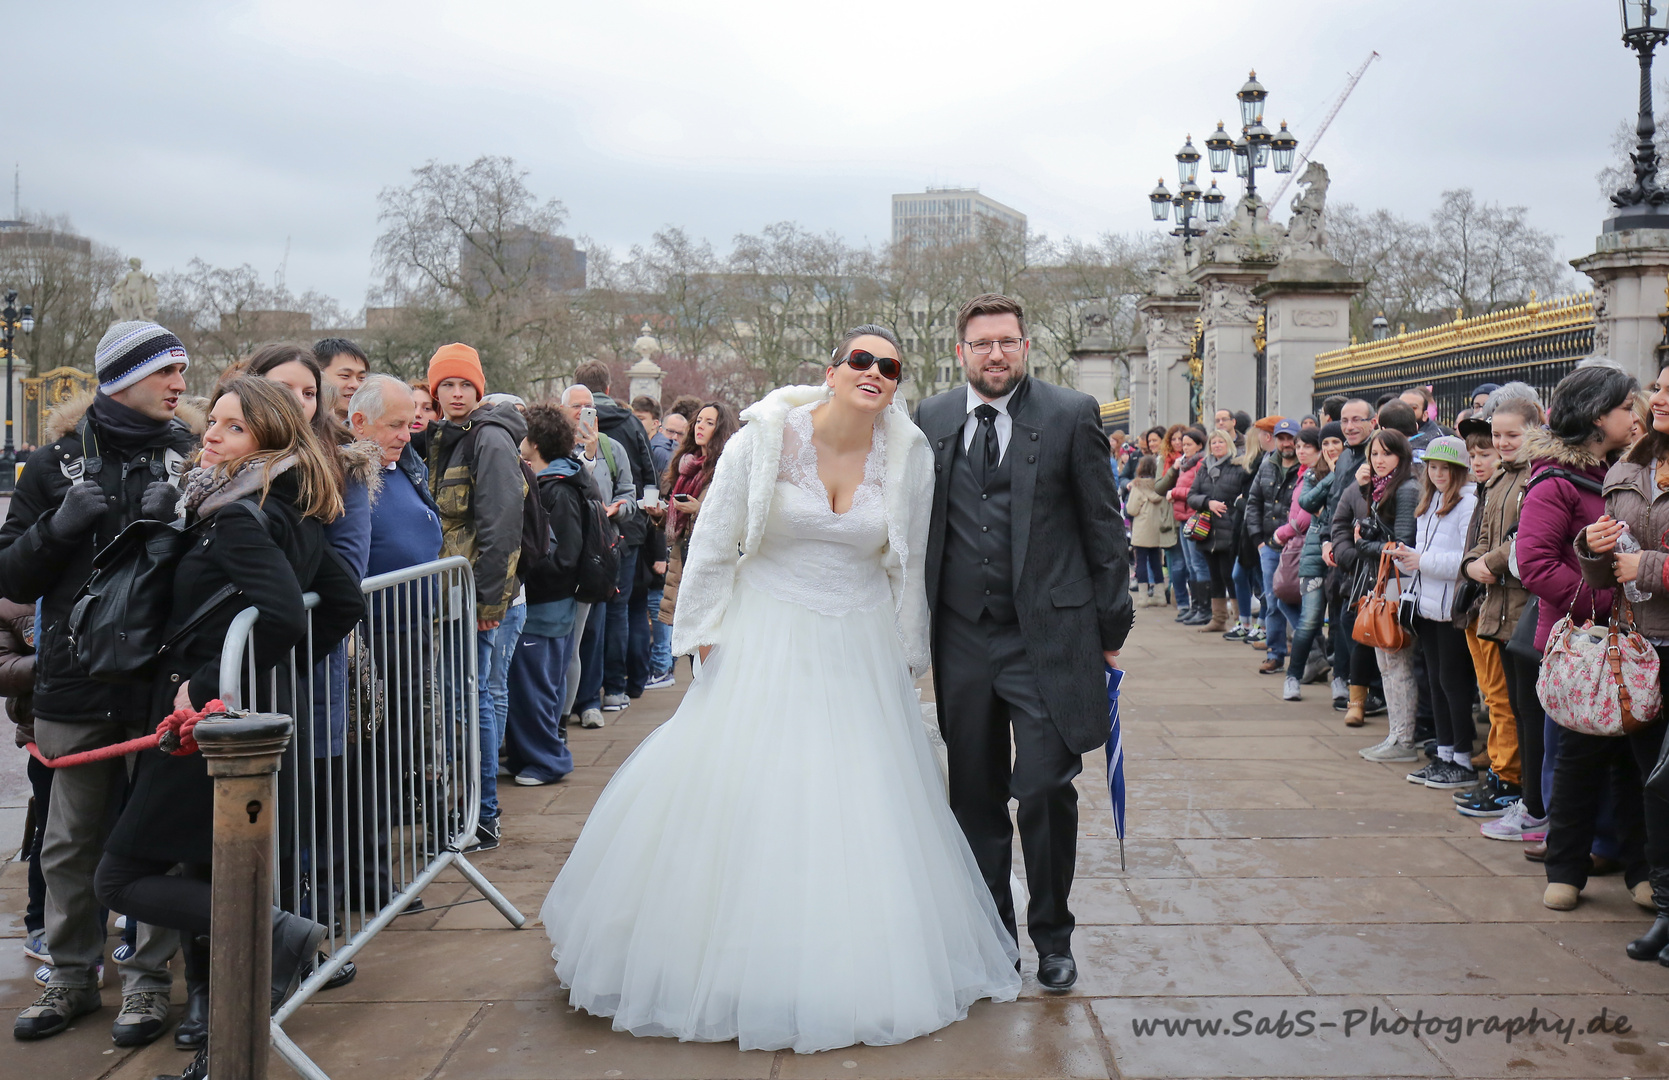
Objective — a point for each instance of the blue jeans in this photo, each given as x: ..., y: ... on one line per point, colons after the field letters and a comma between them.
x: 1150, y: 568
x: 1180, y: 575
x: 1305, y: 619
x: 660, y: 637
x: 1199, y: 571
x: 592, y: 650
x: 494, y: 650
x: 1274, y: 621
x: 618, y: 631
x: 1243, y: 592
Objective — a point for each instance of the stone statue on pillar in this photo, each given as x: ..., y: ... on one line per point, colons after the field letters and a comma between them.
x: 134, y: 297
x: 1305, y: 235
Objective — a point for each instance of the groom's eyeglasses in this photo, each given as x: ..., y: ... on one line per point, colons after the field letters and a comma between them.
x: 888, y: 366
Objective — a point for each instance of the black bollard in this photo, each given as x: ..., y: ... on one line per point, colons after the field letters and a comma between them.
x: 243, y: 753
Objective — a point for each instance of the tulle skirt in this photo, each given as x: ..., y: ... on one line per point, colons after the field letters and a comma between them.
x: 777, y: 863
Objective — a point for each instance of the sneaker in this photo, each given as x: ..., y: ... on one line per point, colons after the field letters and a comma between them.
x: 1316, y: 670
x: 1389, y: 750
x: 529, y: 780
x: 591, y: 718
x: 43, y: 974
x: 35, y: 946
x: 486, y: 835
x: 1375, y: 705
x: 143, y: 1017
x: 663, y: 681
x: 198, y: 1069
x: 1289, y: 690
x: 615, y: 702
x: 122, y: 953
x: 55, y: 1010
x: 1421, y: 776
x: 1515, y: 824
x: 1493, y: 797
x: 1237, y: 634
x: 1341, y: 695
x: 1450, y: 775
x: 1255, y: 636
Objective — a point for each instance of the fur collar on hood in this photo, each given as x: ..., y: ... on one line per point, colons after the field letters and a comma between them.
x: 362, y: 462
x: 1541, y: 447
x: 63, y: 419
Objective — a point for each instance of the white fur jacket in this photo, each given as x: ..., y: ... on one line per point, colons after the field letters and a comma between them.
x: 738, y: 503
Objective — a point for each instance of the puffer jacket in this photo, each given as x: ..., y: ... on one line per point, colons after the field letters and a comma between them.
x: 1494, y: 524
x: 1269, y: 502
x: 17, y: 666
x: 1315, y: 496
x: 1441, y: 542
x: 1632, y: 496
x: 475, y: 475
x: 1151, y: 522
x: 1177, y: 482
x: 1224, y: 481
x: 36, y: 565
x: 1403, y: 528
x: 1554, y: 512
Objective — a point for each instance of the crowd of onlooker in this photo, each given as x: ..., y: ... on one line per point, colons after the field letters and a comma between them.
x: 1449, y: 579
x: 303, y: 471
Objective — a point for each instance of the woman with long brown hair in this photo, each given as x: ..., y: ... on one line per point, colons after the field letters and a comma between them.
x: 260, y: 495
x: 688, y: 475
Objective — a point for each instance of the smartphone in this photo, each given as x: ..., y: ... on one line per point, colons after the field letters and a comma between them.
x: 682, y: 498
x: 588, y: 417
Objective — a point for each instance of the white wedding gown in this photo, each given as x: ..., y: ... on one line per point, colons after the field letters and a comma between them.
x: 777, y: 863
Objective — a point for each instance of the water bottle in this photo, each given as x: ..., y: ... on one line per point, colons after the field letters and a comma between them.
x: 1627, y: 542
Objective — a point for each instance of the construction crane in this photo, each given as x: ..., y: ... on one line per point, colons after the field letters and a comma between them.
x: 1315, y: 139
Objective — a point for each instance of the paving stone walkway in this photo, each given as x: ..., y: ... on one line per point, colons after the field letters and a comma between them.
x: 1280, y: 888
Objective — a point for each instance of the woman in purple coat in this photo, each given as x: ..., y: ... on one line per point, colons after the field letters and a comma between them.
x: 1589, y: 425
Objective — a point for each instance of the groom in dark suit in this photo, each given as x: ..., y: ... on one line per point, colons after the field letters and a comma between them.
x: 1028, y: 586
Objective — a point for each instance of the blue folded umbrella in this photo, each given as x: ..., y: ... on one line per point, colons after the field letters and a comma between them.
x: 1115, y: 759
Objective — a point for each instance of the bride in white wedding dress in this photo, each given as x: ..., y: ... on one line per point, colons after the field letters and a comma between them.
x: 777, y: 863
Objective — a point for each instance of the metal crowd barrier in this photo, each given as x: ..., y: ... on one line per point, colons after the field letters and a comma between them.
x: 380, y: 789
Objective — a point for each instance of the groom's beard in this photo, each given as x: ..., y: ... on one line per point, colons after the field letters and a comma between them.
x: 993, y: 387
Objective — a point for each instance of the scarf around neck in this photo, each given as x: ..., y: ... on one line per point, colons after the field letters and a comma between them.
x: 128, y: 429
x: 207, y: 489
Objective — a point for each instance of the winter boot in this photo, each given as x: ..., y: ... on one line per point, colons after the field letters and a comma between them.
x: 1355, y: 715
x: 193, y: 1030
x: 1199, y: 614
x: 1219, y: 617
x: 1654, y: 943
x: 295, y: 942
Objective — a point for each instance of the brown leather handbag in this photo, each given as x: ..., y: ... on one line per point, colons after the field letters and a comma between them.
x: 1377, y: 624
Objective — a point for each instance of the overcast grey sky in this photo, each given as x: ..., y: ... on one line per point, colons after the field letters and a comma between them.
x: 174, y: 129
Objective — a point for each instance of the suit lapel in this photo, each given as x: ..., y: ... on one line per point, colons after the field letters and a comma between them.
x: 1022, y: 462
x: 943, y: 437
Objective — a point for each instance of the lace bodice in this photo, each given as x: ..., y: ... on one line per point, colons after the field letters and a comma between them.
x: 811, y: 555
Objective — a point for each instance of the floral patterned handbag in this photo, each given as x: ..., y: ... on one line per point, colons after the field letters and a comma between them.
x: 1600, y: 680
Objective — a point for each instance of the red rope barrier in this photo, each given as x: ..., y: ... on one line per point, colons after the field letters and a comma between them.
x: 172, y: 735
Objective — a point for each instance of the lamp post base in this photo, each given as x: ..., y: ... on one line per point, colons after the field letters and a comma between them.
x: 1641, y: 216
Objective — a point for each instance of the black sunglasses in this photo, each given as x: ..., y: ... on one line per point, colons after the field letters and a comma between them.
x: 889, y: 367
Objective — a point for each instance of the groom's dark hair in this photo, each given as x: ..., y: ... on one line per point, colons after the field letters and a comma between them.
x: 989, y: 304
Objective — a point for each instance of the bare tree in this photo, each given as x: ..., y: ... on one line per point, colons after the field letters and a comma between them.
x: 1484, y: 256
x: 69, y: 290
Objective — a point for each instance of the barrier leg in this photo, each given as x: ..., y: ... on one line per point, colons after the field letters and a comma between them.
x: 243, y: 755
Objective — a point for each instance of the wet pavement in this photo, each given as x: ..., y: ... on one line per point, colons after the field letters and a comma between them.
x: 1288, y: 910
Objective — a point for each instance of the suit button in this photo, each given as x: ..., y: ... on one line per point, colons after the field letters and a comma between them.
x: 985, y: 528
x: 1031, y: 459
x: 985, y: 562
x: 987, y: 592
x: 1034, y: 436
x: 983, y: 495
x: 938, y: 468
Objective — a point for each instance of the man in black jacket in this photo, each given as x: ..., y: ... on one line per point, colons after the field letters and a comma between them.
x: 107, y: 462
x: 625, y: 670
x: 1267, y: 507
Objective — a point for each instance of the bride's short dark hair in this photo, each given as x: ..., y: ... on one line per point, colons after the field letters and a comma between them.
x: 865, y: 330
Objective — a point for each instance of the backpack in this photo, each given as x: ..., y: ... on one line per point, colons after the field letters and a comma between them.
x: 597, y: 577
x: 536, y: 525
x: 116, y: 624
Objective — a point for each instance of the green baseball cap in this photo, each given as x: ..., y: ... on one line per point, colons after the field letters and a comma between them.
x: 1447, y: 449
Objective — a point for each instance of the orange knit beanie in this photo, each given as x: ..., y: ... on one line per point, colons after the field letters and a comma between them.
x: 457, y: 361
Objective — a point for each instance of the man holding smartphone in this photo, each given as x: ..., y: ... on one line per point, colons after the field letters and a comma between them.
x: 612, y: 470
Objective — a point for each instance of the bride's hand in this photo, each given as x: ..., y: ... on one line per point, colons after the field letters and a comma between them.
x: 705, y: 651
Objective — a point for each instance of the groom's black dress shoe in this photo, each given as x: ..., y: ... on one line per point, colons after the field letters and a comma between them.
x: 1057, y: 971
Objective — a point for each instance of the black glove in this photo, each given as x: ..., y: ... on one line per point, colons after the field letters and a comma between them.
x: 82, y: 506
x: 160, y: 501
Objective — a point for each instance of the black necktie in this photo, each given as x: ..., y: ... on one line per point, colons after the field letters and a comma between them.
x: 988, y: 436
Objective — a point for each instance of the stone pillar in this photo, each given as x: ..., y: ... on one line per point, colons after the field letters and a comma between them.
x: 1135, y: 360
x: 1630, y: 271
x: 1170, y: 333
x: 242, y: 754
x: 1229, y: 356
x: 644, y: 377
x: 1097, y: 373
x: 1306, y: 311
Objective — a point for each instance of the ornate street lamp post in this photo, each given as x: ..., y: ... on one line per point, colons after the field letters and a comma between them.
x: 1257, y: 148
x: 1642, y: 206
x: 11, y: 320
x: 1188, y: 196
